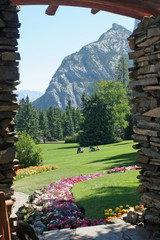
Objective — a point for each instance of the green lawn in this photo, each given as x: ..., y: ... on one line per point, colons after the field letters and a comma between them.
x: 104, y: 192
x: 109, y: 191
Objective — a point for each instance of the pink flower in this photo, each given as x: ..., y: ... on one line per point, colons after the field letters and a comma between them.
x: 67, y: 226
x: 52, y: 225
x: 84, y: 225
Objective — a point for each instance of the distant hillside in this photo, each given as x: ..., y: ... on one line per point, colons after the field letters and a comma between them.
x: 33, y: 95
x: 79, y: 71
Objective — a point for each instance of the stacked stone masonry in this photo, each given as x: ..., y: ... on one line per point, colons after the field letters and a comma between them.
x: 9, y: 78
x: 145, y: 82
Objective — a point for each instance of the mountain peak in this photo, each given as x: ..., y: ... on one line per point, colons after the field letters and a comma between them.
x: 81, y: 70
x: 116, y: 26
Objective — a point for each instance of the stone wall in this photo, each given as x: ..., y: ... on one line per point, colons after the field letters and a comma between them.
x: 9, y: 77
x: 145, y: 81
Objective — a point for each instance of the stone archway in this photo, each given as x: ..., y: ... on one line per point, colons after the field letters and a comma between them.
x: 9, y: 77
x: 145, y: 76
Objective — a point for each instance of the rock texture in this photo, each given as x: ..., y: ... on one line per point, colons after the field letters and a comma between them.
x: 9, y: 77
x: 81, y: 70
x: 145, y: 81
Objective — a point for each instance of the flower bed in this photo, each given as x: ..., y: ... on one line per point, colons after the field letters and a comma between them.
x: 120, y: 169
x: 24, y: 172
x: 59, y: 207
x: 119, y: 211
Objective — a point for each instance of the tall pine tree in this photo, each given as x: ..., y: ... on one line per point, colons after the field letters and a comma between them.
x: 104, y: 113
x: 43, y: 122
x: 121, y: 71
x: 27, y: 119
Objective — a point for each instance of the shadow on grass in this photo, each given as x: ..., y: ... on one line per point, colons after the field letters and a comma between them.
x: 119, y: 160
x: 69, y: 147
x: 106, y: 198
x: 118, y: 144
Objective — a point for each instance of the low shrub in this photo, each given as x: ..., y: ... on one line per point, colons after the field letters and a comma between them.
x: 72, y: 139
x: 28, y: 153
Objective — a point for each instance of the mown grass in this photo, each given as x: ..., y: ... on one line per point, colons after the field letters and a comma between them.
x: 109, y: 191
x: 94, y: 195
x: 72, y: 164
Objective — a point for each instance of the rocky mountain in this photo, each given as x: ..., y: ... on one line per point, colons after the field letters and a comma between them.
x: 79, y: 71
x: 33, y: 95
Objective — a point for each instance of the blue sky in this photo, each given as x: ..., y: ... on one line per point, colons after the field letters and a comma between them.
x: 46, y: 40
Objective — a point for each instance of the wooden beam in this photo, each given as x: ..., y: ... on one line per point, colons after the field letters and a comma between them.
x: 94, y: 11
x: 136, y: 9
x: 51, y: 10
x: 113, y: 9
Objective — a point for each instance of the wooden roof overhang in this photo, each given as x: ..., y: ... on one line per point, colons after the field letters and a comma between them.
x: 131, y: 8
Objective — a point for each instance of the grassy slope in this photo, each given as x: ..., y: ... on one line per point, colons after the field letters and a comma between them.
x: 72, y: 164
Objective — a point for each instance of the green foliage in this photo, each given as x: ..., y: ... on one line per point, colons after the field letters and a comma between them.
x: 52, y: 122
x: 128, y: 131
x: 27, y: 119
x: 72, y: 139
x: 121, y: 71
x: 104, y: 113
x: 43, y: 123
x: 28, y: 153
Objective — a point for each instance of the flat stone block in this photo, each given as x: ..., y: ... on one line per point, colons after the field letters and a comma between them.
x: 119, y: 230
x: 10, y: 56
x: 153, y: 112
x: 9, y: 73
x: 153, y: 32
x: 63, y: 234
x: 148, y: 42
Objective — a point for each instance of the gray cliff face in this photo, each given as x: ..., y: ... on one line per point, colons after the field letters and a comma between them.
x: 81, y: 70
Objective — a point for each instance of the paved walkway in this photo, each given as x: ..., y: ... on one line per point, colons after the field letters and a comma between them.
x: 119, y: 230
x: 20, y: 200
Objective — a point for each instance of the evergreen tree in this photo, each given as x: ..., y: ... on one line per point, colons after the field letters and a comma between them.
x: 121, y: 75
x: 128, y: 131
x: 27, y: 119
x: 97, y: 127
x: 121, y: 71
x: 51, y: 121
x: 104, y: 113
x: 68, y: 123
x: 77, y: 118
x: 59, y: 131
x: 43, y: 123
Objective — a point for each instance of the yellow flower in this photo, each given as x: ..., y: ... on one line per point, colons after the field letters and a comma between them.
x: 137, y: 207
x: 117, y: 209
x: 131, y: 209
x: 110, y: 210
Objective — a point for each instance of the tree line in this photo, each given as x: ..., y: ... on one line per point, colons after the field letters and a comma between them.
x: 53, y: 122
x: 103, y: 117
